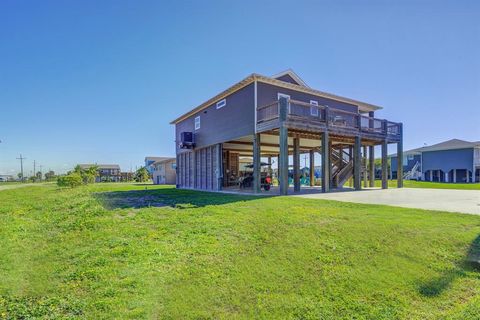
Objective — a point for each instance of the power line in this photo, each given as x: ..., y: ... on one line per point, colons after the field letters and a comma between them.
x: 21, y: 165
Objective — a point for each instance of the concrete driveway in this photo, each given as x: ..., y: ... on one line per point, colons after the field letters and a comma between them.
x: 464, y: 201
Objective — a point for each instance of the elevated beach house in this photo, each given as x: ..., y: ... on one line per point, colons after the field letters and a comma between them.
x: 452, y: 161
x: 275, y: 120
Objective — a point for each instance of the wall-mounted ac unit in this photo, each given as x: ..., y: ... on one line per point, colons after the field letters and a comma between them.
x: 187, y: 140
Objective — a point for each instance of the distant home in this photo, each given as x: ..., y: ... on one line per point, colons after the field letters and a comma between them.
x: 279, y: 118
x: 149, y: 161
x: 106, y: 172
x: 164, y: 171
x: 449, y: 161
x: 6, y: 177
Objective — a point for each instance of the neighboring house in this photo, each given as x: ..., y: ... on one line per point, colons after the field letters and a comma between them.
x: 164, y: 171
x: 6, y: 177
x: 149, y: 161
x: 277, y: 117
x: 106, y: 172
x: 449, y: 161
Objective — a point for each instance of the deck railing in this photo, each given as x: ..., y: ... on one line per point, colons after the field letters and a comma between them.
x: 330, y: 117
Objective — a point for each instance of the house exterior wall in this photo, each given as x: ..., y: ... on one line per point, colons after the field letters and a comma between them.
x: 447, y: 160
x: 200, y: 168
x: 236, y: 119
x: 267, y: 93
x: 164, y: 173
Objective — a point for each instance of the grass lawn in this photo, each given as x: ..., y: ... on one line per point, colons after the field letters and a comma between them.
x: 113, y: 251
x: 431, y: 185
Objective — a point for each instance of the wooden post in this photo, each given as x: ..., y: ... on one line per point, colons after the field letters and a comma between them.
x: 365, y: 167
x: 325, y: 163
x: 384, y: 165
x: 296, y: 164
x: 371, y: 154
x: 400, y: 157
x: 357, y: 164
x: 312, y: 168
x: 256, y: 163
x: 219, y: 166
x: 283, y: 142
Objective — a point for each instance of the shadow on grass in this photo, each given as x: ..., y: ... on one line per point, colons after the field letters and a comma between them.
x: 471, y: 263
x: 171, y: 197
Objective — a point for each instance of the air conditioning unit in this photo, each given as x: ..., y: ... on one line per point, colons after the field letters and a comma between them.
x: 186, y: 140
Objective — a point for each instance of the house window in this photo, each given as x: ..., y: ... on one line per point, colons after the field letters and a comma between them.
x: 314, y: 108
x: 221, y: 103
x: 197, y: 123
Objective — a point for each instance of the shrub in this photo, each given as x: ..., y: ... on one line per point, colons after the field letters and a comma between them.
x: 71, y: 180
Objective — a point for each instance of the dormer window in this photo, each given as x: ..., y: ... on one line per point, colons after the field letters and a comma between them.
x: 314, y: 108
x: 221, y: 103
x: 197, y: 123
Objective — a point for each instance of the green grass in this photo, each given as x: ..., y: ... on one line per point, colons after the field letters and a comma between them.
x: 101, y: 252
x: 431, y: 185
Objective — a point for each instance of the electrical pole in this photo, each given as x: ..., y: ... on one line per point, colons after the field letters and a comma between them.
x: 21, y: 165
x: 34, y: 172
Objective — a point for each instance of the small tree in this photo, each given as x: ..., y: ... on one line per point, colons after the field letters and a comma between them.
x: 142, y: 175
x: 90, y: 174
x: 50, y: 175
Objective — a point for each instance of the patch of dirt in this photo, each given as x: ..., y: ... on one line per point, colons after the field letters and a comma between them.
x: 134, y: 202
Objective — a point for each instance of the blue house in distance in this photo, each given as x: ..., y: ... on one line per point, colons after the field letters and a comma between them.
x: 449, y: 161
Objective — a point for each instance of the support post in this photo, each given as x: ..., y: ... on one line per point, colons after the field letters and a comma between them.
x: 454, y: 175
x: 365, y: 167
x: 357, y: 164
x: 325, y: 162
x: 256, y: 163
x: 400, y: 157
x: 371, y: 154
x: 283, y: 142
x: 384, y: 165
x: 312, y: 168
x: 431, y: 175
x: 467, y: 175
x: 296, y: 164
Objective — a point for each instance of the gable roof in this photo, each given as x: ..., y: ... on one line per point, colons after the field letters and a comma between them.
x: 291, y: 74
x: 363, y: 106
x: 164, y: 160
x: 451, y: 144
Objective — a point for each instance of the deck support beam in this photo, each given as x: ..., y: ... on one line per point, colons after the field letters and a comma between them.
x: 357, y: 164
x: 371, y: 167
x: 283, y: 142
x: 296, y: 164
x: 312, y: 168
x: 384, y: 165
x: 400, y: 158
x: 325, y: 162
x: 256, y: 163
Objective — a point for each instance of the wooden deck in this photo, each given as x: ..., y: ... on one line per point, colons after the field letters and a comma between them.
x: 305, y: 117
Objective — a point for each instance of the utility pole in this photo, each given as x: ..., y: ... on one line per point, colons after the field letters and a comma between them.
x: 21, y: 165
x: 41, y: 173
x: 34, y: 172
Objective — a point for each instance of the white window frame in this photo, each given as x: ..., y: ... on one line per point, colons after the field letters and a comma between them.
x: 197, y: 122
x: 283, y: 95
x: 222, y: 103
x: 314, y: 108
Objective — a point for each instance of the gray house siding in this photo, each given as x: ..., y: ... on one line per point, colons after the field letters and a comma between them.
x: 287, y: 78
x: 200, y: 168
x: 267, y: 93
x: 236, y: 119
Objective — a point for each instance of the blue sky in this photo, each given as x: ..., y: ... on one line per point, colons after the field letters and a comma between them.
x: 99, y: 81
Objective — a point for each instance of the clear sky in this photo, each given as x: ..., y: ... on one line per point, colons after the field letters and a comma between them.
x: 99, y: 81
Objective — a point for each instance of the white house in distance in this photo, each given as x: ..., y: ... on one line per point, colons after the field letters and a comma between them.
x: 164, y: 171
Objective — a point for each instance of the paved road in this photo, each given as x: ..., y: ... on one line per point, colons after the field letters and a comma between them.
x: 464, y: 201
